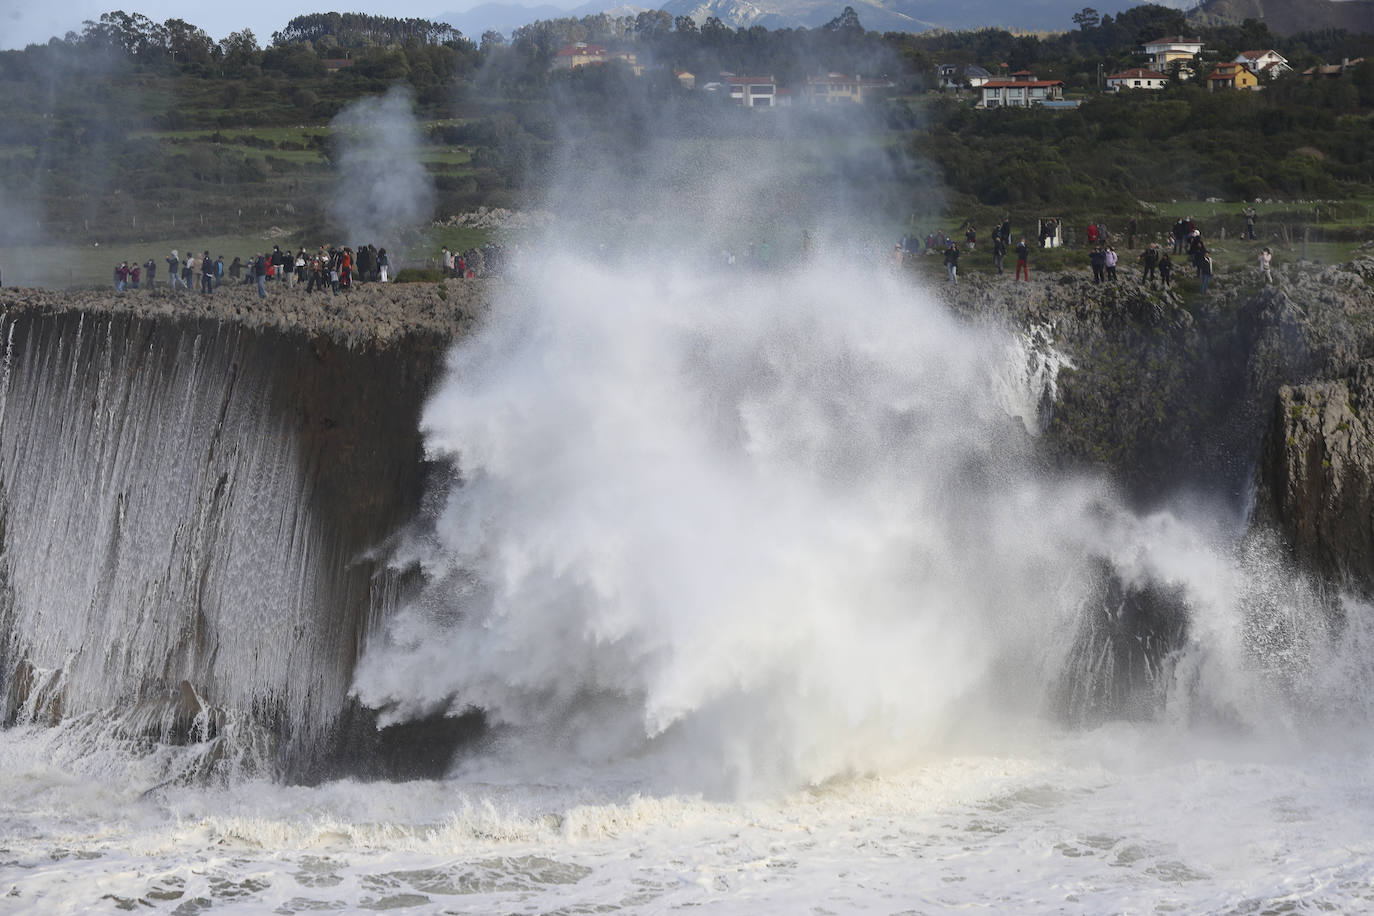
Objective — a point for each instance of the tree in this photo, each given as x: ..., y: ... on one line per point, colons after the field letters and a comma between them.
x: 1086, y: 18
x: 847, y: 22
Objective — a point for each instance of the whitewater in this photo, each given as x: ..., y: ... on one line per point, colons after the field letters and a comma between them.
x: 770, y: 607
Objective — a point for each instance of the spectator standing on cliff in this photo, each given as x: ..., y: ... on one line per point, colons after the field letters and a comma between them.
x: 260, y: 274
x: 150, y: 269
x: 448, y: 262
x: 1166, y: 268
x: 1205, y: 269
x: 207, y: 274
x: 188, y: 266
x: 121, y: 275
x: 1250, y: 223
x: 971, y: 236
x: 173, y: 268
x: 134, y: 271
x: 999, y: 251
x: 383, y: 265
x: 1196, y: 251
x: 219, y: 271
x: 952, y: 261
x: 1110, y: 261
x: 1022, y: 262
x: 235, y: 270
x: 1266, y: 258
x: 1149, y: 259
x: 1097, y: 258
x: 1180, y: 231
x: 1006, y: 230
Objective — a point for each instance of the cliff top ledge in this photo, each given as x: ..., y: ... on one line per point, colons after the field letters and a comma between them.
x: 368, y: 314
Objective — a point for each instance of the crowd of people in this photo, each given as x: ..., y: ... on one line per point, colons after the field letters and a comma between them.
x: 1157, y: 261
x: 336, y: 268
x: 487, y: 261
x: 937, y: 242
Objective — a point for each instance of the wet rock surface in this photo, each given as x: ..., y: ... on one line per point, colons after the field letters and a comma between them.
x: 379, y: 314
x: 1173, y: 391
x: 1317, y: 475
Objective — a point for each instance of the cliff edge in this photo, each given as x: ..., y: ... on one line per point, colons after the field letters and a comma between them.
x: 379, y: 314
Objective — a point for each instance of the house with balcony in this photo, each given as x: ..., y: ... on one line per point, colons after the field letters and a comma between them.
x: 1264, y: 64
x: 844, y: 87
x: 753, y: 91
x: 1021, y: 91
x: 1231, y: 76
x: 1173, y: 50
x: 1136, y: 78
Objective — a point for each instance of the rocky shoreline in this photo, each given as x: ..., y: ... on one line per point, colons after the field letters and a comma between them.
x: 375, y: 314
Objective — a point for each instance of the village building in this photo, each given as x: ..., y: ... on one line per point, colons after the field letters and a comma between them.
x: 1331, y: 71
x: 1266, y: 64
x: 843, y: 87
x: 753, y: 91
x: 1136, y: 78
x: 956, y: 76
x: 1231, y: 76
x: 1174, y: 50
x: 582, y: 54
x: 1021, y: 91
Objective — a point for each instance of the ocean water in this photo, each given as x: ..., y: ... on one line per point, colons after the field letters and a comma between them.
x: 771, y: 609
x: 1118, y: 820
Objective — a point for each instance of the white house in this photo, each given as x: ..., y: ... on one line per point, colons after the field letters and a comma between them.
x: 753, y: 91
x: 1267, y: 64
x: 1136, y: 78
x: 1174, y: 49
x: 1021, y: 91
x: 956, y: 76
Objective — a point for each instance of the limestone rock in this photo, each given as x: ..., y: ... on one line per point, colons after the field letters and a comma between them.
x: 1317, y: 475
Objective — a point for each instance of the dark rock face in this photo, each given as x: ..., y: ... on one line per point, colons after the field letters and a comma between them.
x: 1118, y: 665
x: 228, y: 485
x: 1172, y: 394
x: 1317, y: 475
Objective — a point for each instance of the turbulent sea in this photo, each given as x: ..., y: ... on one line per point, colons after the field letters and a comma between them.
x: 770, y: 608
x: 1119, y: 820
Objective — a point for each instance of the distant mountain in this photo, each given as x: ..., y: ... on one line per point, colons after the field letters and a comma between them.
x: 1285, y: 17
x: 876, y: 15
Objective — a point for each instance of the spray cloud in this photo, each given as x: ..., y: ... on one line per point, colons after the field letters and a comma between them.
x: 383, y: 187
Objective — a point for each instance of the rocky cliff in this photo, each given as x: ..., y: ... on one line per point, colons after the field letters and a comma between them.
x: 193, y: 491
x: 1172, y: 391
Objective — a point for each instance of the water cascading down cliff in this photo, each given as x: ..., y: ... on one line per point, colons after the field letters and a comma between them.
x: 185, y: 511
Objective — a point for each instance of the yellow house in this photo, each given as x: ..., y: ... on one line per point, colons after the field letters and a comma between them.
x: 1232, y: 76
